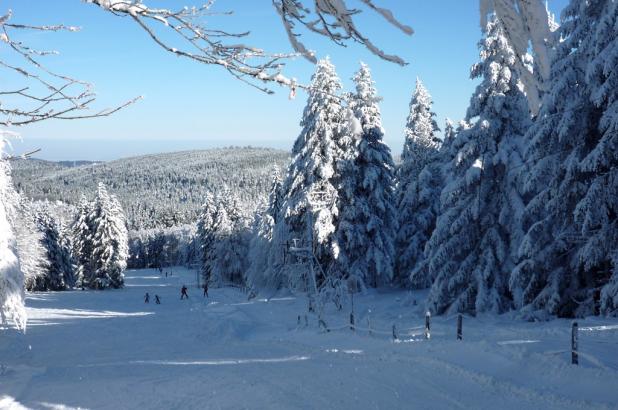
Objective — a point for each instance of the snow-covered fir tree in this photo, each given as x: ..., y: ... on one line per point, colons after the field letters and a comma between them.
x: 309, y: 189
x: 420, y: 147
x: 233, y: 237
x: 207, y: 234
x: 224, y: 235
x: 59, y: 272
x: 109, y: 240
x: 471, y: 251
x: 259, y: 270
x: 425, y: 203
x: 569, y: 255
x: 82, y: 242
x: 367, y: 221
x: 11, y: 277
x: 30, y: 250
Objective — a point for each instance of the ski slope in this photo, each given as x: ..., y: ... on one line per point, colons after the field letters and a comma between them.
x: 110, y: 350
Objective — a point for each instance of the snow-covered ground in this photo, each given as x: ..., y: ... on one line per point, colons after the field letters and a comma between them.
x: 87, y: 349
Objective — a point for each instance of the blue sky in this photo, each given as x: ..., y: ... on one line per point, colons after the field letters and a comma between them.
x: 190, y: 106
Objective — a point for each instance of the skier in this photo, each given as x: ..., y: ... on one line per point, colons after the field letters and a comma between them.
x: 157, y: 300
x: 183, y: 292
x: 166, y: 274
x: 147, y: 298
x: 206, y: 290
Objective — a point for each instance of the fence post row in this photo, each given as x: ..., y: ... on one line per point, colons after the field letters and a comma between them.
x: 459, y: 327
x: 574, y: 356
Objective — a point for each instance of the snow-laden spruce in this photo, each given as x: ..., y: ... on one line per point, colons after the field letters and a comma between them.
x: 11, y: 277
x: 420, y: 148
x: 309, y: 189
x: 260, y: 269
x: 59, y: 272
x: 570, y: 252
x: 223, y: 236
x: 367, y: 220
x: 30, y: 250
x: 471, y: 251
x: 109, y: 242
x: 82, y: 244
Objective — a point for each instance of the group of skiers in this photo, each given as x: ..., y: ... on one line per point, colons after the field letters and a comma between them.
x: 183, y: 294
x: 147, y: 299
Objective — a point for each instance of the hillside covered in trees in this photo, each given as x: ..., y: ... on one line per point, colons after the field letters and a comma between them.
x: 156, y: 191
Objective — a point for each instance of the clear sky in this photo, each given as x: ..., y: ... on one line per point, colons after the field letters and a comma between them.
x: 191, y: 106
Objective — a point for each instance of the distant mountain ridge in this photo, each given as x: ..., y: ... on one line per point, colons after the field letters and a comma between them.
x: 157, y: 190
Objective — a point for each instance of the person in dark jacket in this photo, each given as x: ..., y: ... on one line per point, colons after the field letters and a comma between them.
x: 183, y: 293
x: 206, y: 290
x: 147, y: 298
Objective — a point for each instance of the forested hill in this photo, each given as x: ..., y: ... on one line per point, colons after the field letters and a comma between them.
x: 156, y: 190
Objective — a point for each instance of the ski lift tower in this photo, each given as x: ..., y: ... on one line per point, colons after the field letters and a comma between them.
x: 305, y: 252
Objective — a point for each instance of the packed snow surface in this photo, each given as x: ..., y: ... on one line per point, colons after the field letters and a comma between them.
x: 110, y: 350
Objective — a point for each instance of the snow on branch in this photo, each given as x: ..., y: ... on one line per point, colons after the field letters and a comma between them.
x: 527, y: 25
x: 45, y: 94
x: 203, y: 44
x: 334, y: 20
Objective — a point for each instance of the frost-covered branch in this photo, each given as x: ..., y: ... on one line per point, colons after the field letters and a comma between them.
x: 332, y: 19
x: 527, y: 26
x: 201, y: 43
x: 44, y: 93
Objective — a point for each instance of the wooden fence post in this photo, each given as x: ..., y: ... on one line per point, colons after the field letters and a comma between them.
x: 428, y: 325
x: 574, y: 356
x: 459, y: 327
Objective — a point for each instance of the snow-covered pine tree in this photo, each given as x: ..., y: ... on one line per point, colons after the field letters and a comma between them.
x: 470, y: 252
x: 570, y: 257
x: 207, y: 234
x: 259, y: 272
x: 110, y: 241
x: 30, y: 251
x: 232, y: 241
x: 275, y: 199
x: 420, y: 147
x: 59, y: 274
x: 82, y: 242
x: 11, y: 277
x: 367, y: 221
x: 309, y: 209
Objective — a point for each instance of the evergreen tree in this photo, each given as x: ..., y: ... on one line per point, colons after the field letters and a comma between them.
x: 259, y: 270
x: 426, y: 204
x: 11, y: 277
x: 420, y: 147
x: 569, y: 254
x: 82, y: 235
x: 207, y: 234
x: 30, y: 251
x: 275, y: 199
x: 110, y: 241
x: 471, y: 251
x: 309, y: 190
x: 59, y: 274
x: 367, y: 223
x: 232, y: 244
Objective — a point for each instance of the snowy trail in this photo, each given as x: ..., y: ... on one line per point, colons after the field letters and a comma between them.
x: 110, y: 350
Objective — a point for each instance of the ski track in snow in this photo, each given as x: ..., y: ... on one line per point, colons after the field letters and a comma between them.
x: 110, y: 350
